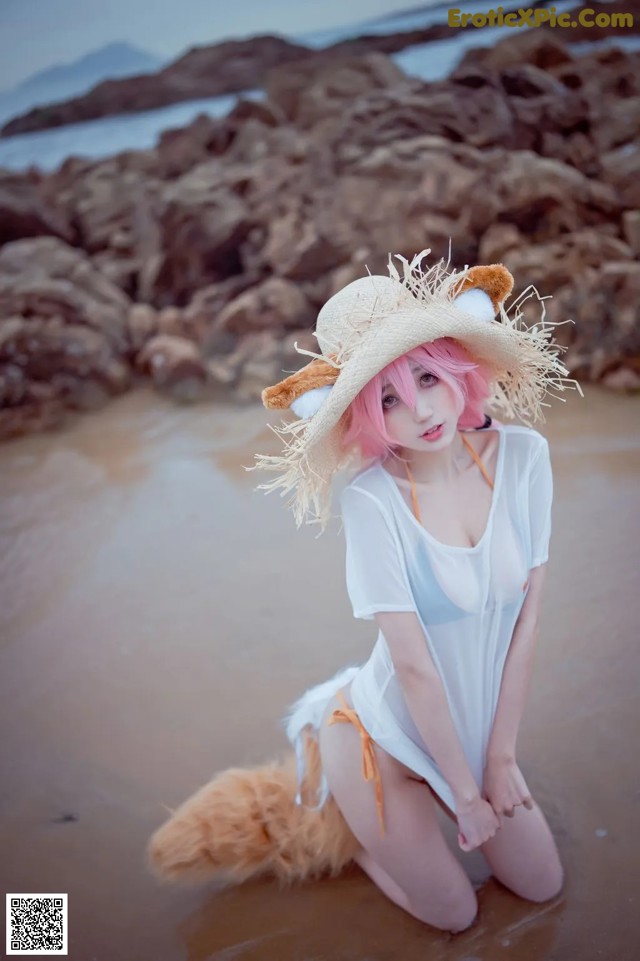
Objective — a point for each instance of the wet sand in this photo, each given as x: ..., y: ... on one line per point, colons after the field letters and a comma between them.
x: 157, y: 617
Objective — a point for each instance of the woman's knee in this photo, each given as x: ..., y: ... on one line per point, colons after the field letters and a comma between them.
x: 463, y: 917
x: 454, y: 910
x: 523, y: 856
x: 545, y: 886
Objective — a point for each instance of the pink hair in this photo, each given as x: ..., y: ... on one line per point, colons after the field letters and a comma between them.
x: 445, y: 358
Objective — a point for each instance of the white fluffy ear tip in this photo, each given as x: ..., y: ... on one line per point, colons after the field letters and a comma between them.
x: 476, y: 302
x: 307, y: 404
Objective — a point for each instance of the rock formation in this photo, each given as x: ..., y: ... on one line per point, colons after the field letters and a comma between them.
x: 199, y: 264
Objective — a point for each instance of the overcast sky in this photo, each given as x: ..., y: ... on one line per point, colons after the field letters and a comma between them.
x: 35, y: 34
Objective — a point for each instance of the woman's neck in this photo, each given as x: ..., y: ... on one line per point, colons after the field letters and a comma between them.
x: 434, y: 467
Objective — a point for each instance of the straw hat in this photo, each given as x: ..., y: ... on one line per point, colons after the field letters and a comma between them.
x: 372, y: 322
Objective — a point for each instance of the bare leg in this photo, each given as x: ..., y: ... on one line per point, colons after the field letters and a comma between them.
x: 380, y: 877
x: 412, y: 863
x: 523, y: 855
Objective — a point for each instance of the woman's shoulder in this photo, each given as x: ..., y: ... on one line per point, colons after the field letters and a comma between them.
x: 368, y: 492
x: 524, y: 444
x: 368, y: 480
x: 367, y: 505
x: 526, y: 435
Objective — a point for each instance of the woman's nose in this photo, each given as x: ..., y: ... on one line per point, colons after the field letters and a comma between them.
x: 424, y: 407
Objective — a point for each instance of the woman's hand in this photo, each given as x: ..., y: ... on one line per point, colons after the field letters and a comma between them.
x: 477, y: 822
x: 504, y: 787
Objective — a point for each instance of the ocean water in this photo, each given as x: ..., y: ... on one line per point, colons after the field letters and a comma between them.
x: 415, y: 20
x: 94, y: 139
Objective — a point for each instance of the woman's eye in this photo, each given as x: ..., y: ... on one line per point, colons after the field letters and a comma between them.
x: 384, y: 401
x: 432, y: 378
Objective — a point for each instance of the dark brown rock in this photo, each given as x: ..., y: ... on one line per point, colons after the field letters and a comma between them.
x: 621, y: 171
x: 276, y: 304
x: 75, y: 360
x: 113, y: 207
x: 607, y: 334
x: 182, y: 148
x: 263, y: 111
x: 200, y: 317
x: 13, y: 385
x: 257, y: 362
x: 478, y: 116
x: 44, y: 278
x: 142, y: 324
x: 35, y: 414
x: 202, y: 226
x: 557, y: 264
x: 497, y: 241
x: 618, y: 124
x: 631, y: 229
x: 541, y: 47
x: 595, y: 285
x: 307, y: 91
x: 25, y: 213
x: 545, y: 198
x: 298, y: 248
x: 175, y: 366
x: 63, y: 335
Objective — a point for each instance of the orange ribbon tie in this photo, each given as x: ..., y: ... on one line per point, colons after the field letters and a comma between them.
x: 370, y: 770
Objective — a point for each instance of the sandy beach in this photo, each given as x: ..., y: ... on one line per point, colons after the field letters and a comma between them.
x: 158, y: 615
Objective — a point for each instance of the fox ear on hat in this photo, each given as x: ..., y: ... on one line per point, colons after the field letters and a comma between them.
x: 483, y: 290
x: 318, y: 374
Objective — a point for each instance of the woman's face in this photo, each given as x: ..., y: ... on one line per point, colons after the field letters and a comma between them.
x: 436, y: 407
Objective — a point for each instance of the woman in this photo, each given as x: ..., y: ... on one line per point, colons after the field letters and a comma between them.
x: 449, y: 560
x: 457, y: 578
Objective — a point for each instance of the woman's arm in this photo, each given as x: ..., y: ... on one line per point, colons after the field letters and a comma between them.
x: 516, y: 676
x: 428, y: 705
x: 427, y: 701
x: 503, y: 785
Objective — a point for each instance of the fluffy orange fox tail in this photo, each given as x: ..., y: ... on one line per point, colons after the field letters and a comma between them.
x: 246, y: 822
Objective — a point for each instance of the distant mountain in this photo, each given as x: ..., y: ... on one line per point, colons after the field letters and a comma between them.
x: 113, y: 61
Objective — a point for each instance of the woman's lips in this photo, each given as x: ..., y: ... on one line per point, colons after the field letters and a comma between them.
x: 434, y: 433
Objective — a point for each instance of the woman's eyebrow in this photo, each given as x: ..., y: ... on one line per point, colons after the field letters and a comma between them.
x: 414, y: 368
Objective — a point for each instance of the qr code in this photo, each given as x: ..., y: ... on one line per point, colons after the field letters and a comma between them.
x: 36, y: 924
